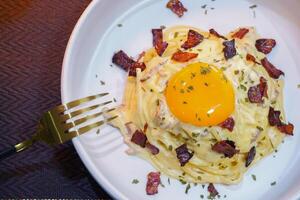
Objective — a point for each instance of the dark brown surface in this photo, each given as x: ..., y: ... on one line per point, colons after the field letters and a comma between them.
x: 33, y: 37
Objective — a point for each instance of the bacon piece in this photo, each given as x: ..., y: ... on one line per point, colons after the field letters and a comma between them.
x: 286, y: 128
x: 212, y: 190
x: 194, y: 38
x: 215, y: 33
x: 128, y: 64
x: 265, y: 45
x: 134, y: 66
x: 153, y: 149
x: 250, y: 156
x: 263, y: 87
x: 274, y: 117
x: 177, y: 7
x: 123, y: 60
x: 274, y: 120
x: 228, y: 124
x: 183, y: 154
x: 240, y: 33
x: 145, y: 127
x: 271, y: 69
x: 153, y: 181
x: 226, y: 147
x: 158, y: 43
x: 181, y: 56
x: 251, y: 58
x: 256, y: 93
x: 229, y: 49
x: 139, y: 138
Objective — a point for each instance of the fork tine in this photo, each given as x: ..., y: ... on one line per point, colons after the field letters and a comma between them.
x: 70, y: 135
x: 95, y: 125
x: 83, y: 110
x: 77, y: 102
x: 79, y: 121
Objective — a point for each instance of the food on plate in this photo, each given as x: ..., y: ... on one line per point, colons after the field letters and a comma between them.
x: 202, y: 107
x: 176, y: 7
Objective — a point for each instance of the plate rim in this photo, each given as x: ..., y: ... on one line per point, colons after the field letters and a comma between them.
x: 97, y: 175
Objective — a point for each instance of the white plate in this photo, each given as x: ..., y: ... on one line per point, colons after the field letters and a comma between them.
x: 97, y: 36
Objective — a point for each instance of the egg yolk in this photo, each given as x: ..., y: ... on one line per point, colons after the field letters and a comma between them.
x: 200, y: 94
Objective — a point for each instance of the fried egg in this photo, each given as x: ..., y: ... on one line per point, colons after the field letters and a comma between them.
x: 200, y: 94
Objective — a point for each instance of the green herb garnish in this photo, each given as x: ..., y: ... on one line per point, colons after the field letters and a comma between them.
x: 188, y: 187
x: 253, y: 177
x: 135, y: 181
x: 273, y: 183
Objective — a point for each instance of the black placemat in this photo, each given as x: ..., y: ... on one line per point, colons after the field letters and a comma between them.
x: 33, y: 38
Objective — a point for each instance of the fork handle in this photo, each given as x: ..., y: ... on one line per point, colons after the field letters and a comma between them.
x: 8, y: 151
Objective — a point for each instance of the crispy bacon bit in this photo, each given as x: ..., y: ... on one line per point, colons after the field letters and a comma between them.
x: 215, y: 33
x: 153, y: 149
x: 229, y: 49
x: 274, y: 120
x: 139, y: 138
x: 271, y: 69
x: 240, y: 33
x: 194, y: 38
x: 212, y: 190
x: 250, y: 156
x: 181, y: 56
x: 145, y: 128
x: 263, y: 87
x: 153, y: 180
x: 183, y: 154
x: 228, y: 124
x: 226, y: 147
x: 134, y: 66
x: 265, y: 45
x: 256, y: 93
x: 286, y: 128
x: 158, y: 43
x: 251, y: 58
x: 177, y: 7
x: 122, y: 59
x: 274, y: 117
x: 128, y: 64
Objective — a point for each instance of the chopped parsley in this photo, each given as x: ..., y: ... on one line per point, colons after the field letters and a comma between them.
x: 183, y: 182
x: 169, y: 181
x: 120, y: 25
x: 203, y: 6
x: 162, y: 26
x: 253, y: 6
x: 204, y: 70
x: 175, y: 34
x: 199, y: 178
x: 298, y: 86
x: 273, y: 183
x: 243, y: 87
x: 195, y: 134
x: 114, y: 99
x: 190, y: 87
x: 98, y: 131
x: 259, y: 128
x: 184, y: 102
x: 253, y: 177
x: 201, y: 196
x: 236, y: 72
x: 135, y: 181
x: 205, y: 12
x: 206, y: 84
x: 170, y: 147
x: 111, y: 65
x: 188, y: 187
x: 102, y: 82
x: 162, y: 185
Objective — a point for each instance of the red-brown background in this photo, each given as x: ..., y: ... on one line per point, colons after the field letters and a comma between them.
x: 33, y: 38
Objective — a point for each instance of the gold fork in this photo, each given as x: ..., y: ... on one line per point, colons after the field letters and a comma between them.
x: 54, y: 126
